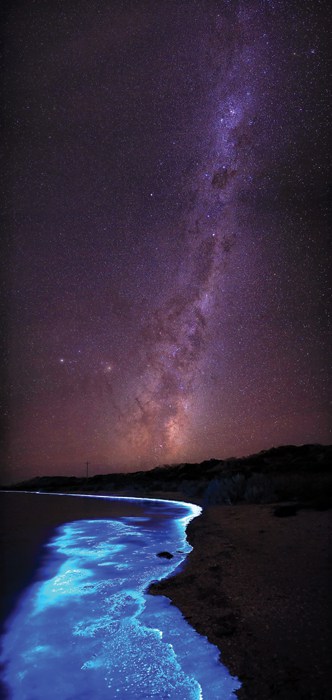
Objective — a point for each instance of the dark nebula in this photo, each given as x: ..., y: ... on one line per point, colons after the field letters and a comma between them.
x: 167, y: 231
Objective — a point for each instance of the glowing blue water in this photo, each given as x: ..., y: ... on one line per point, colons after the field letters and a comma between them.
x: 87, y: 629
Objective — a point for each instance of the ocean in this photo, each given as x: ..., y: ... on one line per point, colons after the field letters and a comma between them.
x: 79, y: 621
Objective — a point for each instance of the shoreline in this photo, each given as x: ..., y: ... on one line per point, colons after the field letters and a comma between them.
x: 91, y: 613
x: 23, y: 540
x: 27, y: 524
x: 259, y: 587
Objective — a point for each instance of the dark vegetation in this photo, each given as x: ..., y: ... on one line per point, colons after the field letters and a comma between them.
x: 299, y: 474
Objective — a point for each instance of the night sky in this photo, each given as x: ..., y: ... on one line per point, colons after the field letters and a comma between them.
x: 167, y: 231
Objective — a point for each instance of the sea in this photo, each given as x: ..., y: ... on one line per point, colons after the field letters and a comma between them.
x: 79, y: 622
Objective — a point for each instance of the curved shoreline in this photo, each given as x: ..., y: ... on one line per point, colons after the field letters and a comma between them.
x: 23, y: 542
x: 248, y: 579
x: 260, y: 588
x: 158, y: 520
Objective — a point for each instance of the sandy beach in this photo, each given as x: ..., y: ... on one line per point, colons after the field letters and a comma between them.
x: 260, y: 588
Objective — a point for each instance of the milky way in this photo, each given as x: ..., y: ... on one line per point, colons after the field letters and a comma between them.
x: 166, y: 209
x: 179, y: 332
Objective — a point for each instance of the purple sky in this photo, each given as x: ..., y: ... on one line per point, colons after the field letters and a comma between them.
x: 166, y: 212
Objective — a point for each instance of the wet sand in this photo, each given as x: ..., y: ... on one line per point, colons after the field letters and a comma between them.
x: 260, y: 588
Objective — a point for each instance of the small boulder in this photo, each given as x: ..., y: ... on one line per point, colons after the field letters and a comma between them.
x: 165, y: 555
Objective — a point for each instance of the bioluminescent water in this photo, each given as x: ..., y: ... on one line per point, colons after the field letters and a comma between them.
x: 88, y: 629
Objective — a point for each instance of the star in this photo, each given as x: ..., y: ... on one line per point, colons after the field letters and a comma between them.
x: 166, y: 207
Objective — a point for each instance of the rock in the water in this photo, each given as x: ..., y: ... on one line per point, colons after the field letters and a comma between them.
x: 165, y: 555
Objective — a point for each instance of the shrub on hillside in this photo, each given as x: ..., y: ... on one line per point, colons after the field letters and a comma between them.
x: 304, y: 487
x: 191, y: 488
x: 238, y: 488
x: 259, y: 489
x: 227, y: 490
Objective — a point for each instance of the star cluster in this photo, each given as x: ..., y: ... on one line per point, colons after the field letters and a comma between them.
x: 167, y: 231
